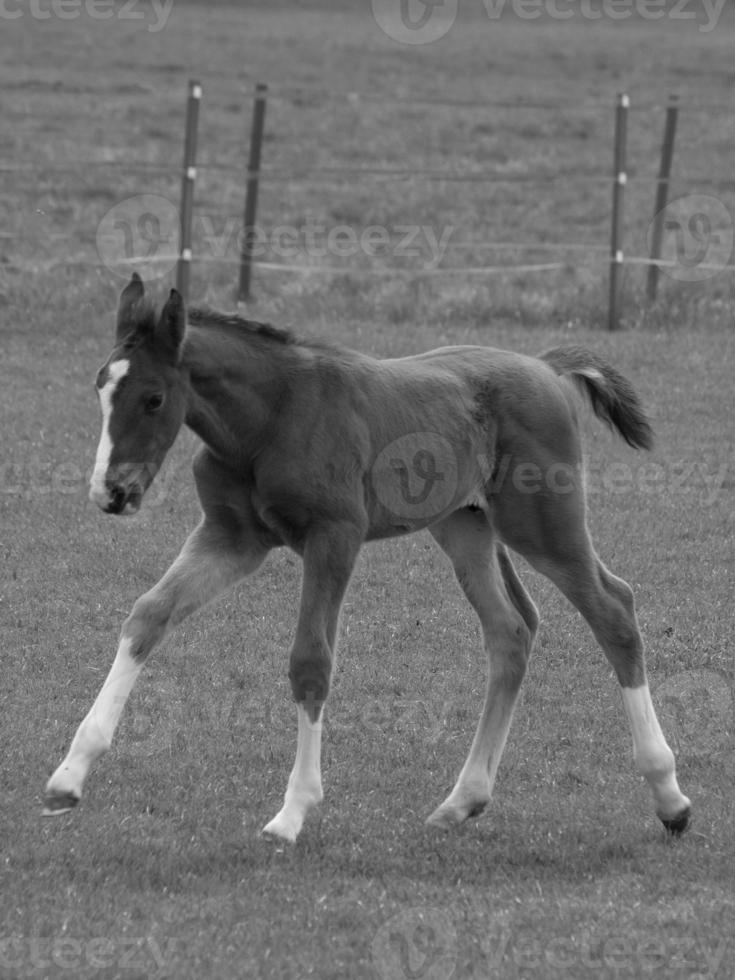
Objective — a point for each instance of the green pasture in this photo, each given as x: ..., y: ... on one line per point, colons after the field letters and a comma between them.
x: 160, y: 872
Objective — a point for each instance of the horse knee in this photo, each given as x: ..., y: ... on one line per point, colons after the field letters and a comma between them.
x: 619, y: 590
x: 145, y: 626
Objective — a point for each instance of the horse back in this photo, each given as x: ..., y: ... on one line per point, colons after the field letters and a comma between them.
x: 410, y: 440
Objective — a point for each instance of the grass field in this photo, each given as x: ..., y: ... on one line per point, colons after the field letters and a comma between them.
x: 160, y: 872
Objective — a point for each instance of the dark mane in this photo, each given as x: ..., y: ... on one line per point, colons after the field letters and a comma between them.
x: 205, y: 318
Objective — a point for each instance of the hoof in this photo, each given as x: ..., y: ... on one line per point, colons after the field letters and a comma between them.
x: 443, y: 818
x: 439, y: 821
x: 54, y: 806
x: 449, y: 815
x: 280, y: 831
x: 275, y: 839
x: 678, y: 824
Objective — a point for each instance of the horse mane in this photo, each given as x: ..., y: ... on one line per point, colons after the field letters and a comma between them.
x: 212, y: 318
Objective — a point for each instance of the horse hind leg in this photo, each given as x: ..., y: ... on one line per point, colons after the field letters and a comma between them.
x: 509, y: 621
x: 618, y: 633
x: 607, y: 603
x: 329, y: 557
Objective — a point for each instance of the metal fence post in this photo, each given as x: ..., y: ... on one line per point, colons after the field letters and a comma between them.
x: 251, y: 191
x: 616, y: 238
x: 662, y: 195
x: 188, y: 177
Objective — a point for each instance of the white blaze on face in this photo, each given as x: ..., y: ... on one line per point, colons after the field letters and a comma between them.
x: 98, y: 491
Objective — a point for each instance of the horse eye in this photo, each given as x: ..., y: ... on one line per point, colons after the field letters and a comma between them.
x: 154, y: 402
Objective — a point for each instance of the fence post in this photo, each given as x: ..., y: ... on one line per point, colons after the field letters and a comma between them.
x: 616, y: 238
x: 188, y: 177
x: 251, y: 191
x: 662, y: 195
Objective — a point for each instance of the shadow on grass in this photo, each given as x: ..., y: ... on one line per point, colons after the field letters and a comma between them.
x: 173, y: 852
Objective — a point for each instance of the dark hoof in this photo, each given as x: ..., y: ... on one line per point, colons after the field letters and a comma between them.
x: 476, y: 810
x: 54, y: 806
x: 678, y: 824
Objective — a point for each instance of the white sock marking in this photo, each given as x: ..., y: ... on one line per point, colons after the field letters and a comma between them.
x: 98, y: 491
x: 94, y: 735
x: 304, y: 789
x: 652, y: 753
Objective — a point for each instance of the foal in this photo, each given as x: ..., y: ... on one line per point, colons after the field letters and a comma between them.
x: 321, y: 449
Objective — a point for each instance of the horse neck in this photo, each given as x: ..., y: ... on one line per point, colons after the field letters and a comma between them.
x: 235, y: 383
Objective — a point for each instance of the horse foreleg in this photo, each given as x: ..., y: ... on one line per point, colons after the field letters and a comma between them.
x: 304, y: 789
x: 204, y: 568
x: 329, y: 558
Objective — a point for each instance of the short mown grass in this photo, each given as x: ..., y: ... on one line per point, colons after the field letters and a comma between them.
x: 160, y: 871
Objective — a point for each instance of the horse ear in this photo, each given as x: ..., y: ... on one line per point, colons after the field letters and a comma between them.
x: 172, y: 324
x: 131, y: 295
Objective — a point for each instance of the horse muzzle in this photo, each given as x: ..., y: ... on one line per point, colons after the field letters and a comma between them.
x: 121, y: 492
x: 123, y: 500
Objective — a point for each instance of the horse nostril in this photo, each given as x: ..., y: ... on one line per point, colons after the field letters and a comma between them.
x: 117, y: 500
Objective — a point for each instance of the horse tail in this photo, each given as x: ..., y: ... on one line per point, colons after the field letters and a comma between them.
x: 611, y: 395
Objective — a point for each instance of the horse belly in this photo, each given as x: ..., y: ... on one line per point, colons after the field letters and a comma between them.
x: 421, y: 479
